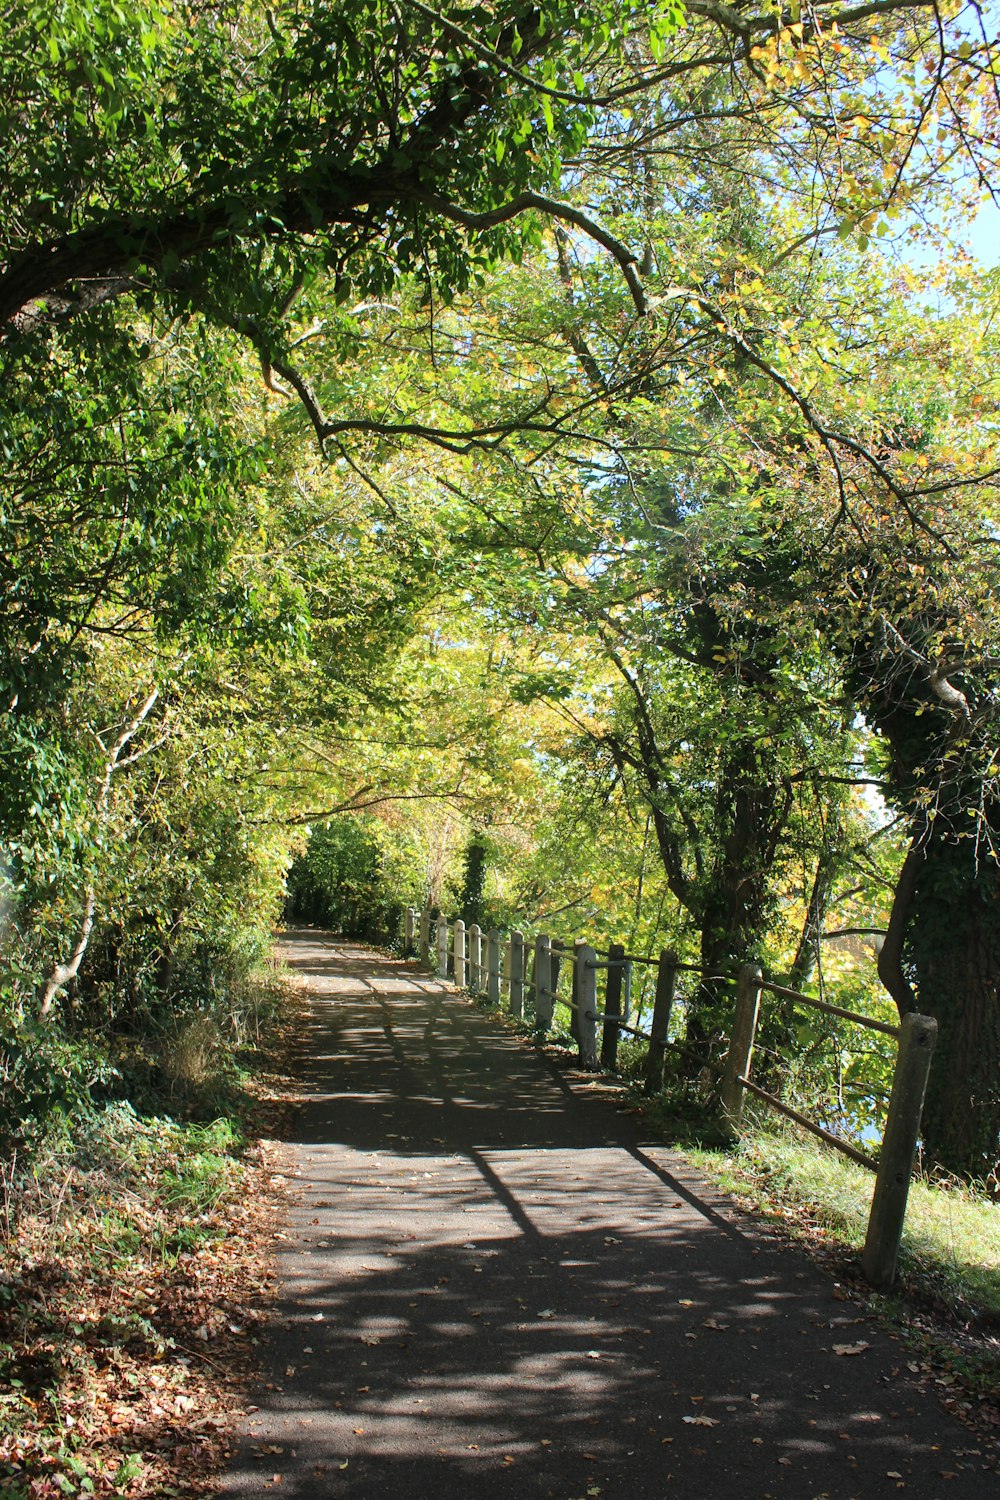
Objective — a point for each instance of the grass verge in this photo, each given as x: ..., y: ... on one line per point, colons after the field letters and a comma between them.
x: 134, y: 1268
x: 947, y: 1297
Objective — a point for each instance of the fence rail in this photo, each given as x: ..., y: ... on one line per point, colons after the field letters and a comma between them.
x: 831, y: 1010
x: 497, y: 966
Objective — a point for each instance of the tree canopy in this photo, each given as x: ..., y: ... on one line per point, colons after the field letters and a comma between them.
x: 522, y: 431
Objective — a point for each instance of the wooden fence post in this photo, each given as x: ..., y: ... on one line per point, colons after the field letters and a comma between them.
x: 741, y: 1039
x: 408, y: 928
x: 458, y: 944
x: 612, y: 1007
x: 543, y: 983
x: 555, y: 964
x: 917, y: 1035
x: 493, y: 966
x: 586, y: 999
x: 425, y: 937
x: 442, y: 947
x: 666, y: 983
x: 574, y: 996
x: 517, y: 964
x: 475, y: 958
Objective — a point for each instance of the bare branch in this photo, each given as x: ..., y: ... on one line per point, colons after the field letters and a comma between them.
x: 554, y: 208
x: 62, y: 973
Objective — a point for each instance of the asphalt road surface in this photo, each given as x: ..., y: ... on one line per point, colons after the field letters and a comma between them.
x: 493, y: 1286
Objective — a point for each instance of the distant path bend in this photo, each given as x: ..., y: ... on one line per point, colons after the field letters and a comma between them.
x: 492, y: 1287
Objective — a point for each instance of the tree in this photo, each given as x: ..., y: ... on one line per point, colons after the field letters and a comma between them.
x: 319, y: 194
x: 222, y: 161
x: 828, y: 547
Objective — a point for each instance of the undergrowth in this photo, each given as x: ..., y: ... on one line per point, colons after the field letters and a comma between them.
x: 130, y: 1272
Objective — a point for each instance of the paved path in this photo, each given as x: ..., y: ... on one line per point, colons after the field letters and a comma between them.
x: 494, y: 1288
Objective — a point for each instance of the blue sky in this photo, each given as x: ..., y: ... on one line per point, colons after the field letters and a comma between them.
x: 984, y: 235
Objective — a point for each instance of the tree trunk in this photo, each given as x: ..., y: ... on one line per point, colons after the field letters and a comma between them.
x: 62, y: 974
x: 806, y: 959
x: 753, y: 808
x: 954, y: 945
x: 942, y: 948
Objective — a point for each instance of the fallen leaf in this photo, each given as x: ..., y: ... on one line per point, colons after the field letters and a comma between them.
x: 701, y: 1421
x: 851, y: 1348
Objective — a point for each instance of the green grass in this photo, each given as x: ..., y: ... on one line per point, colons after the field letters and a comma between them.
x: 950, y: 1251
x: 946, y: 1300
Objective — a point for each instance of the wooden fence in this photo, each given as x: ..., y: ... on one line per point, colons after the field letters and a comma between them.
x: 497, y: 966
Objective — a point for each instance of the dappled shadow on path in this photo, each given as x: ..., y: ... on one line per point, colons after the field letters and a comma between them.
x: 492, y: 1288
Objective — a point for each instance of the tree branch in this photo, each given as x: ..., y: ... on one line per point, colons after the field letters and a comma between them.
x: 554, y: 208
x: 890, y: 959
x: 62, y: 973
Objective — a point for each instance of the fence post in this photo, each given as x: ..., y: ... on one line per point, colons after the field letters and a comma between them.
x: 517, y: 964
x: 475, y: 958
x: 459, y: 947
x: 612, y: 1007
x: 663, y: 1001
x: 425, y: 937
x: 493, y: 966
x: 442, y: 947
x: 917, y: 1035
x: 543, y: 983
x: 586, y: 999
x: 408, y: 925
x: 737, y: 1064
x: 555, y: 964
x: 574, y: 996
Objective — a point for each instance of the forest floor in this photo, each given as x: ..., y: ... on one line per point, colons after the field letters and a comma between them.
x: 136, y: 1266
